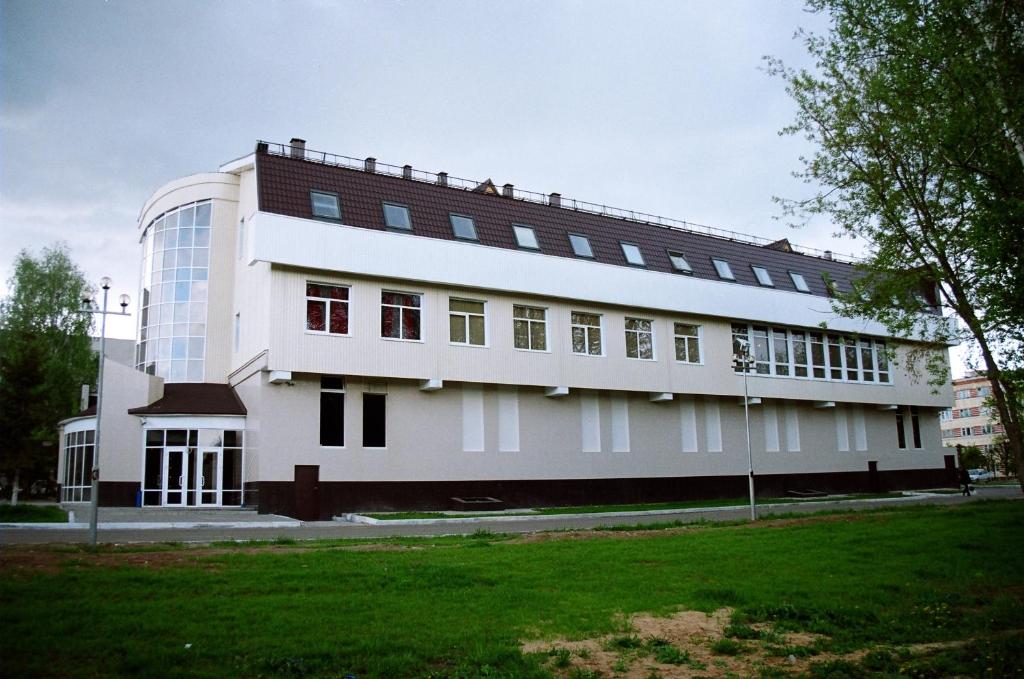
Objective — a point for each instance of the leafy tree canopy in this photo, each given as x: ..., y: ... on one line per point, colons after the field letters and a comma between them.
x: 916, y: 112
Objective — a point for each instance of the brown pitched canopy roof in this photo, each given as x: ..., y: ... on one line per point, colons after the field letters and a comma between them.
x: 285, y: 183
x: 194, y: 399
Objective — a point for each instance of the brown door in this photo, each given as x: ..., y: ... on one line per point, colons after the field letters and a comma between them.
x: 307, y: 492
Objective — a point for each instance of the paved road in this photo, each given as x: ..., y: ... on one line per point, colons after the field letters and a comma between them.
x: 527, y: 524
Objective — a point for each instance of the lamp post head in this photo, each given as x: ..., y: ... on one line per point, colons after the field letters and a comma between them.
x: 105, y: 282
x: 124, y: 300
x: 86, y: 296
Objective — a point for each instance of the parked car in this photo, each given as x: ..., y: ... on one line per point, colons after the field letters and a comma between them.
x: 980, y: 475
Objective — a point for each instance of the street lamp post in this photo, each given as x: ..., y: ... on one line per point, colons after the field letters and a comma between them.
x: 743, y: 359
x: 88, y: 307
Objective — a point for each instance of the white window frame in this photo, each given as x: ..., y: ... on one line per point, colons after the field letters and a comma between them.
x: 638, y: 333
x: 327, y: 314
x: 518, y: 230
x: 465, y: 316
x: 723, y: 269
x: 586, y: 333
x: 698, y: 338
x: 421, y: 307
x: 529, y: 329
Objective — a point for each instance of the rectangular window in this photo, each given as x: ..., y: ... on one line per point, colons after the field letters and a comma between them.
x: 466, y: 322
x: 780, y: 347
x: 374, y: 420
x: 332, y: 411
x: 867, y: 361
x: 740, y: 334
x: 325, y: 205
x: 580, y: 245
x: 915, y: 425
x: 327, y: 308
x: 397, y: 217
x: 526, y: 237
x: 762, y: 356
x: 687, y: 339
x: 586, y: 333
x: 400, y: 315
x: 639, y: 339
x: 852, y: 373
x: 818, y: 355
x: 835, y: 357
x: 723, y: 269
x: 799, y: 282
x: 762, y: 276
x: 799, y: 353
x: 882, y: 354
x: 901, y: 434
x: 632, y: 254
x: 463, y: 226
x: 679, y: 262
x: 529, y: 327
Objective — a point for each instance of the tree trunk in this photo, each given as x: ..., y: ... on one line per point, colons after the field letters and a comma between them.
x: 17, y: 485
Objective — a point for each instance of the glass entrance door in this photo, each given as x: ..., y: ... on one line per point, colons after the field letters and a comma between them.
x: 174, y: 477
x: 208, y: 480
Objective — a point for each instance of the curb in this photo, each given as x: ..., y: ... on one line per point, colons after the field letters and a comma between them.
x: 147, y: 525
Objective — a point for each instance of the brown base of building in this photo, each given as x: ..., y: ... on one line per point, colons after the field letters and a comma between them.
x: 326, y: 499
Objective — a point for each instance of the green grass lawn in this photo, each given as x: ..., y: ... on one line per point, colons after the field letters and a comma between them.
x: 32, y: 514
x: 459, y: 607
x: 653, y: 506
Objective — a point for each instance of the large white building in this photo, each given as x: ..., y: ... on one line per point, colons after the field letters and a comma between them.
x: 320, y: 334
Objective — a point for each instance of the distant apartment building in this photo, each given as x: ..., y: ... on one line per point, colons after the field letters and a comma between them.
x: 971, y: 422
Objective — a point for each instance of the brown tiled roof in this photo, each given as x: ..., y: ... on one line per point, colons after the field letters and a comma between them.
x: 194, y: 399
x: 285, y: 183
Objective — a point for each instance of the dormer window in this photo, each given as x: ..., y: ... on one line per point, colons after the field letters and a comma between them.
x: 762, y: 276
x: 325, y: 205
x: 580, y: 245
x: 463, y: 226
x: 525, y: 237
x: 798, y: 281
x: 633, y: 254
x: 397, y: 217
x: 679, y: 263
x: 723, y: 269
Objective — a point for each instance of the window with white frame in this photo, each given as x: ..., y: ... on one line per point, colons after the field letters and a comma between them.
x: 400, y: 315
x: 466, y: 322
x: 799, y: 353
x: 586, y: 333
x: 463, y: 226
x: 763, y: 278
x: 799, y: 282
x: 526, y: 237
x: 639, y: 338
x: 687, y: 340
x: 529, y: 327
x: 723, y: 269
x: 580, y: 245
x: 327, y: 308
x: 679, y: 262
x: 79, y: 447
x: 396, y: 216
x: 325, y: 205
x: 632, y: 254
x: 986, y: 429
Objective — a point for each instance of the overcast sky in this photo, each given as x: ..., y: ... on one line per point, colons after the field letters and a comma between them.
x: 661, y: 107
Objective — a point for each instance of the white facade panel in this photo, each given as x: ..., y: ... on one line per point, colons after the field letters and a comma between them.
x: 860, y: 431
x: 771, y: 426
x: 792, y: 428
x: 472, y: 418
x: 590, y: 423
x: 620, y: 423
x: 712, y: 425
x: 508, y: 420
x: 842, y: 429
x: 688, y: 424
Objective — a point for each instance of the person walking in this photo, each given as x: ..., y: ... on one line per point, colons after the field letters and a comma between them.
x: 965, y: 481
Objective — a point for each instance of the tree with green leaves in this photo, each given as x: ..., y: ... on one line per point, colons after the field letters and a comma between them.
x: 45, y: 357
x: 916, y: 112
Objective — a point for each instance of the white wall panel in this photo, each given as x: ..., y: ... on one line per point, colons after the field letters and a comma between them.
x: 620, y: 423
x: 688, y: 424
x: 508, y: 420
x: 771, y: 426
x: 842, y: 429
x: 792, y: 428
x: 860, y: 432
x: 590, y: 422
x: 472, y: 418
x: 712, y: 425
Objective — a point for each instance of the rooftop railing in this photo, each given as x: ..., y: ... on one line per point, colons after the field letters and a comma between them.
x: 555, y: 200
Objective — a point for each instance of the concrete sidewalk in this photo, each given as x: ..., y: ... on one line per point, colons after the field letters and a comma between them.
x: 129, y: 525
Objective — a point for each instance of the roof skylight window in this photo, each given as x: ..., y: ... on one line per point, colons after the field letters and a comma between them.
x: 325, y: 205
x: 633, y: 254
x: 463, y: 226
x: 798, y: 281
x: 525, y: 237
x: 397, y: 216
x: 723, y: 269
x: 580, y: 245
x: 679, y: 262
x: 762, y: 276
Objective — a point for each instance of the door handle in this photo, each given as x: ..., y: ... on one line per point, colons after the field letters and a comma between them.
x: 202, y: 482
x: 180, y: 479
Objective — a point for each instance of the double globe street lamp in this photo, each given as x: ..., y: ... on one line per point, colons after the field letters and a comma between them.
x: 743, y: 361
x: 89, y: 306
